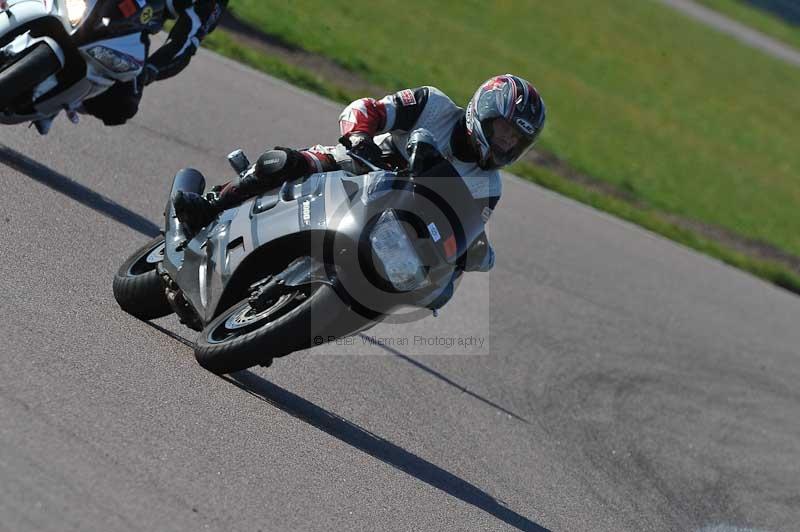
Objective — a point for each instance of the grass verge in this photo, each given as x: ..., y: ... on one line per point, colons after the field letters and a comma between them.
x: 656, y: 222
x: 226, y: 44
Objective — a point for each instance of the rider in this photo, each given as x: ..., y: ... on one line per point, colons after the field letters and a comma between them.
x: 194, y: 20
x: 502, y: 121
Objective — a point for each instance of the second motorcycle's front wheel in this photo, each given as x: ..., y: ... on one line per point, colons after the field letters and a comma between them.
x: 242, y: 336
x: 27, y: 71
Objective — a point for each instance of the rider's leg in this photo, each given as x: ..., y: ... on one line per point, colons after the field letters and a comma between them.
x: 271, y: 170
x: 117, y: 105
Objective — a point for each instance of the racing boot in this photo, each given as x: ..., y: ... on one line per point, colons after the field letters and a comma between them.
x: 194, y: 211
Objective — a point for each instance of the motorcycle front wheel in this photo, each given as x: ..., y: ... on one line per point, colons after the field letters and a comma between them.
x: 242, y: 337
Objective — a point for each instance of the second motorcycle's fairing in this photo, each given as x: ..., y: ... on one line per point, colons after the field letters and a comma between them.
x: 97, y: 43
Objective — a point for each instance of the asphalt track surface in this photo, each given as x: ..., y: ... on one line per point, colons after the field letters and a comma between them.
x: 631, y: 384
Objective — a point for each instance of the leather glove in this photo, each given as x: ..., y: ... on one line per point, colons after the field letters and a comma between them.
x: 361, y: 144
x: 423, y: 153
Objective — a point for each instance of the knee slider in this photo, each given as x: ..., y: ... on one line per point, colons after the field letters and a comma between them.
x: 281, y: 164
x: 271, y: 170
x: 271, y: 164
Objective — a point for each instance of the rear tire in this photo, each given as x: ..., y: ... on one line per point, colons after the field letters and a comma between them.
x: 229, y: 344
x: 138, y: 288
x: 26, y: 73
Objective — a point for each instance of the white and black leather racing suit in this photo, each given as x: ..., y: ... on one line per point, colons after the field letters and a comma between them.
x: 194, y: 19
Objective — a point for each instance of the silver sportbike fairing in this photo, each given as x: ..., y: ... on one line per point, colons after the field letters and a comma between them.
x: 318, y: 258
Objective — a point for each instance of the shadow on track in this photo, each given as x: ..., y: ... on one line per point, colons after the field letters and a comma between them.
x: 372, y: 444
x: 447, y: 380
x: 378, y: 447
x: 74, y: 190
x: 174, y: 336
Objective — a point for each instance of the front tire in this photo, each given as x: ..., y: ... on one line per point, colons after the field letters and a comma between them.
x: 241, y: 337
x: 26, y: 73
x: 138, y: 288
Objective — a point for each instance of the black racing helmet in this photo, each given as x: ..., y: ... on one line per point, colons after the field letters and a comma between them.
x: 504, y: 119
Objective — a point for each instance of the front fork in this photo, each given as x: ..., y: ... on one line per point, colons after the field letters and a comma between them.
x: 301, y: 272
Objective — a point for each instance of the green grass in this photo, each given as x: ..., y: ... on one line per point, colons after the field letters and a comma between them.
x: 773, y: 272
x: 222, y: 42
x: 691, y: 121
x: 758, y: 19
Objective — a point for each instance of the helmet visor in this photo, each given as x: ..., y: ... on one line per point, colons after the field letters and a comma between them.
x: 507, y: 143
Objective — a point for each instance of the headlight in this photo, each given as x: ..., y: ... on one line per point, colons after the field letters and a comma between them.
x: 75, y: 11
x: 394, y: 249
x: 113, y: 60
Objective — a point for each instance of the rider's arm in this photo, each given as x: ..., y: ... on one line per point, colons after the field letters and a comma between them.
x: 194, y: 20
x: 399, y: 111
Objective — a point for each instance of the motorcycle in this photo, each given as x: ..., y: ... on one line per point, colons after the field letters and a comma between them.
x: 316, y: 259
x: 54, y: 54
